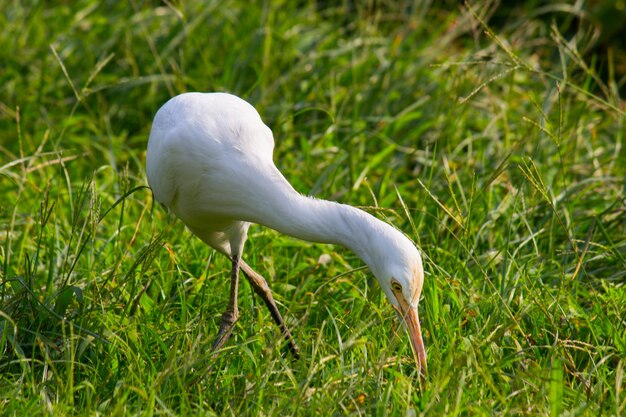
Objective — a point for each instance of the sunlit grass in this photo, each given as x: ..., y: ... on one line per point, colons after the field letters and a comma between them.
x: 498, y: 150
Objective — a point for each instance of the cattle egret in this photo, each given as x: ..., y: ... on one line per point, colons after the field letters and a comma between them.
x: 210, y: 162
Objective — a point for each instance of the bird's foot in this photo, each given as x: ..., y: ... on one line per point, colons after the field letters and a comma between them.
x: 291, y: 343
x: 229, y: 318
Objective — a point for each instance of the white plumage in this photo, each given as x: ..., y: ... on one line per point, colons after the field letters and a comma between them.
x: 210, y: 162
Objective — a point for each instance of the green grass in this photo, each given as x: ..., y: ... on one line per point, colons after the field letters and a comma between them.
x: 496, y: 148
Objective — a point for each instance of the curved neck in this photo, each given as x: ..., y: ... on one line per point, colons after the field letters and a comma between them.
x: 325, y: 221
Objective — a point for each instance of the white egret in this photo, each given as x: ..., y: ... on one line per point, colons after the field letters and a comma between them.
x: 210, y: 162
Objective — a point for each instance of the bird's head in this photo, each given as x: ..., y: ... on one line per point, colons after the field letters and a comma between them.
x: 401, y: 277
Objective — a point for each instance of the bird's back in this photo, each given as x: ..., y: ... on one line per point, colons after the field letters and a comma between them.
x: 217, y: 122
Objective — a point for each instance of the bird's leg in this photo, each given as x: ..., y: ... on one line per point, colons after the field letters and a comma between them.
x: 231, y: 314
x: 263, y: 290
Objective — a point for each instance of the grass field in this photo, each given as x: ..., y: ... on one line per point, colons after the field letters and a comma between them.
x: 492, y: 143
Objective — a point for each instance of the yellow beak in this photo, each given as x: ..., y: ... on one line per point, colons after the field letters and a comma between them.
x: 411, y: 318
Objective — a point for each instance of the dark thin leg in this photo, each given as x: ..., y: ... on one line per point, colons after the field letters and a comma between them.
x: 231, y: 314
x: 263, y: 290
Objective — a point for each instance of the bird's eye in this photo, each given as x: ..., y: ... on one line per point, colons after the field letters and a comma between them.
x: 395, y: 285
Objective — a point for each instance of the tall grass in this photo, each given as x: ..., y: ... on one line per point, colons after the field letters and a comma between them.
x: 498, y: 148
